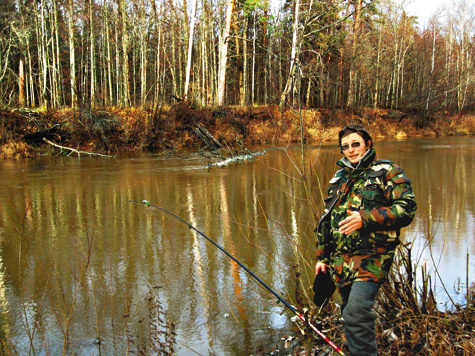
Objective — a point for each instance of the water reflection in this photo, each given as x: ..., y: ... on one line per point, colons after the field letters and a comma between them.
x: 79, y: 262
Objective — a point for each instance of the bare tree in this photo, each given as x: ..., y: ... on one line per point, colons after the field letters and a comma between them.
x: 293, y: 57
x: 190, y: 48
x: 223, y: 53
x: 125, y: 74
x: 72, y: 53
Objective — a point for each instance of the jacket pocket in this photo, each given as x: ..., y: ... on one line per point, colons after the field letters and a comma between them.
x: 387, y: 239
x: 372, y: 194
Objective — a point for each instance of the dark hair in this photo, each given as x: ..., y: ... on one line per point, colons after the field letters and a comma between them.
x: 360, y: 130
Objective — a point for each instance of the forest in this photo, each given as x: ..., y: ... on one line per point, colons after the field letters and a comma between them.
x: 58, y: 54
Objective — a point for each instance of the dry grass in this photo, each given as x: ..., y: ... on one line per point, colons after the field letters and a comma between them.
x: 16, y: 150
x: 409, y: 322
x: 467, y: 125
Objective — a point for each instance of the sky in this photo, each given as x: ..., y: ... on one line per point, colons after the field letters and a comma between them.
x: 423, y: 9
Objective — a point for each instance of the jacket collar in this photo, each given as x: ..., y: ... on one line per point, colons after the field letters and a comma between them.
x: 364, y: 162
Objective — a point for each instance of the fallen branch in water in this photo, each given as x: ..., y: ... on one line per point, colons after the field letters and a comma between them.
x: 74, y: 150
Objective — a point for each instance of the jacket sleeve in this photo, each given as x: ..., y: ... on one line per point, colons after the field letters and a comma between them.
x: 322, y: 254
x: 401, y: 206
x: 323, y: 230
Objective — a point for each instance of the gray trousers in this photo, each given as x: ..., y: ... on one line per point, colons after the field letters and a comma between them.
x: 357, y: 309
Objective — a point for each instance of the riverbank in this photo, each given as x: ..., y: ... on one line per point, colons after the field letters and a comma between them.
x: 171, y: 129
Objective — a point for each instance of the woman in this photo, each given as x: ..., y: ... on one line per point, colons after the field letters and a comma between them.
x: 368, y: 202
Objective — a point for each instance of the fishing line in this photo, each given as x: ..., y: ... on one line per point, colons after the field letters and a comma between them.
x: 278, y: 296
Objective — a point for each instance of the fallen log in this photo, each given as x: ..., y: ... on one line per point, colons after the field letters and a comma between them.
x: 37, y: 137
x: 74, y: 150
x: 207, y: 137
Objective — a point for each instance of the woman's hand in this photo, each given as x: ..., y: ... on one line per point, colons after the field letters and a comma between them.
x: 352, y: 223
x: 320, y: 266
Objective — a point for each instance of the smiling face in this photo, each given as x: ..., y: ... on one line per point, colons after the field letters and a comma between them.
x: 354, y: 154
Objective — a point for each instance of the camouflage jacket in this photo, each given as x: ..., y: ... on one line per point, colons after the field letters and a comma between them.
x: 382, y: 194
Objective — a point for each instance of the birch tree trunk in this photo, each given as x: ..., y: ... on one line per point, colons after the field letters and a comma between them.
x: 204, y: 71
x: 158, y: 30
x: 467, y: 50
x: 190, y: 49
x: 267, y: 44
x: 245, y: 74
x: 118, y: 82
x: 174, y: 69
x: 92, y: 54
x: 72, y: 59
x: 42, y: 52
x: 31, y: 88
x: 448, y: 61
x: 125, y: 99
x: 205, y: 57
x: 293, y: 57
x: 340, y: 79
x: 21, y: 84
x: 108, y: 57
x: 30, y: 92
x: 253, y: 82
x: 223, y: 53
x: 378, y: 61
x: 143, y: 55
x: 395, y: 74
x: 53, y: 80
x: 238, y: 57
x: 357, y: 4
x: 429, y: 89
x: 56, y: 75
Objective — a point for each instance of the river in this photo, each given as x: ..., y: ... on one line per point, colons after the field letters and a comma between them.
x: 80, y: 262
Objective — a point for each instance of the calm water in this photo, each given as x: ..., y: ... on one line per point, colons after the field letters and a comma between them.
x: 80, y: 262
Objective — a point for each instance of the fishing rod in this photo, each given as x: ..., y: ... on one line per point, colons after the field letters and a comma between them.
x: 278, y: 296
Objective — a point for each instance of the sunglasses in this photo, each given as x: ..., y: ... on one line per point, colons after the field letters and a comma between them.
x: 353, y: 145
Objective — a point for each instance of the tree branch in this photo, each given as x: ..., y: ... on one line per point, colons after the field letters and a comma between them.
x: 74, y: 150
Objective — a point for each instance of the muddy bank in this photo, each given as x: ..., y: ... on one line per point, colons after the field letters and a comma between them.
x: 171, y: 129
